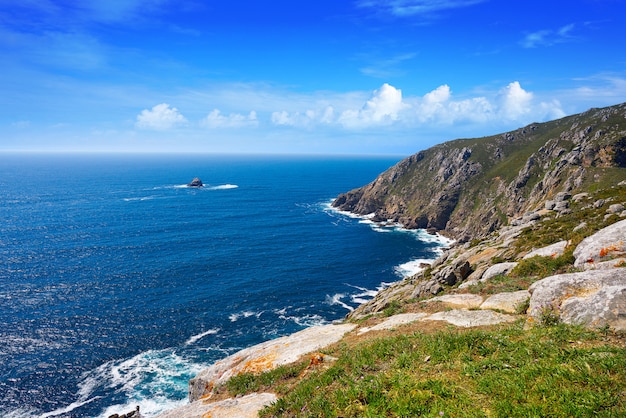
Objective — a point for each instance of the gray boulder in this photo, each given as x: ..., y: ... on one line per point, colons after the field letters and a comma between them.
x: 497, y: 269
x: 553, y: 250
x: 593, y: 299
x: 607, y: 244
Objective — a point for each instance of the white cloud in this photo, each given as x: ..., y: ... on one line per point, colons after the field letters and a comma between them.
x: 515, y: 102
x: 160, y: 118
x: 383, y: 108
x: 387, y: 107
x: 547, y: 37
x: 403, y: 8
x: 216, y: 119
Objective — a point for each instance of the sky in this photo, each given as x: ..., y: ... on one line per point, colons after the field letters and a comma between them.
x: 323, y: 76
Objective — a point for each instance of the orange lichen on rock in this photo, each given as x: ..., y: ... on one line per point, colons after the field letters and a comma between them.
x: 259, y: 364
x: 612, y: 249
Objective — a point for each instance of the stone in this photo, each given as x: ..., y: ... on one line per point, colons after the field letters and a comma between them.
x: 393, y: 322
x: 615, y: 208
x: 580, y: 196
x: 497, y: 269
x: 247, y: 406
x: 507, y: 302
x: 553, y: 250
x: 606, y: 244
x: 550, y: 204
x: 459, y: 301
x: 594, y: 299
x: 580, y: 226
x: 465, y: 318
x: 265, y: 356
x: 196, y: 182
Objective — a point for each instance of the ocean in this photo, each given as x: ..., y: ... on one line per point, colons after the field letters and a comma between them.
x: 118, y: 283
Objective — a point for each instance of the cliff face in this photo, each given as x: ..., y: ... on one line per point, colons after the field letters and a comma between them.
x: 471, y: 187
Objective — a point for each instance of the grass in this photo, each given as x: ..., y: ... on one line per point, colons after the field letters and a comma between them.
x: 556, y: 371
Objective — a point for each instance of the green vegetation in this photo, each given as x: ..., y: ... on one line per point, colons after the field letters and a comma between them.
x: 555, y: 371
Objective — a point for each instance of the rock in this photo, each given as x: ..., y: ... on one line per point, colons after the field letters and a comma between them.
x: 265, y: 356
x: 580, y: 196
x: 508, y: 302
x: 459, y: 301
x: 196, y: 182
x: 244, y: 407
x: 593, y: 299
x: 615, y: 208
x: 562, y: 197
x: 580, y: 226
x: 598, y: 203
x: 466, y: 318
x: 553, y: 250
x: 497, y: 269
x: 606, y: 244
x: 393, y: 322
x: 561, y: 206
x: 550, y: 204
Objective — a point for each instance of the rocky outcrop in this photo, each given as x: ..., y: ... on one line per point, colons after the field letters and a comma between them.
x: 264, y: 357
x: 196, y: 182
x: 594, y: 299
x: 469, y: 188
x: 606, y: 248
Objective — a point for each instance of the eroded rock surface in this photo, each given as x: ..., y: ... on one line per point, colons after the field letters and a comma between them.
x: 245, y: 407
x: 595, y: 298
x: 266, y: 356
x: 608, y: 244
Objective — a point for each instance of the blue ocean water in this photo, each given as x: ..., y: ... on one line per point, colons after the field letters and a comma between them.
x: 118, y: 283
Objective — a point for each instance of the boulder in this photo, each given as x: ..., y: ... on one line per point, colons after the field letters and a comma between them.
x: 393, y: 322
x: 497, y: 269
x: 265, y: 356
x: 508, y: 302
x: 594, y: 299
x: 463, y: 300
x: 553, y: 250
x: 466, y: 318
x: 607, y: 244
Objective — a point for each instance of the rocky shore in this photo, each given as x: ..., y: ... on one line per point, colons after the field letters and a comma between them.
x: 594, y: 295
x: 539, y: 219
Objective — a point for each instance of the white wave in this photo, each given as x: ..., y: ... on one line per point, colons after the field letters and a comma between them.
x: 195, y: 338
x: 156, y: 380
x: 234, y: 317
x: 69, y: 408
x: 139, y: 199
x: 412, y: 267
x: 336, y: 300
x: 223, y: 187
x: 305, y: 320
x: 226, y: 186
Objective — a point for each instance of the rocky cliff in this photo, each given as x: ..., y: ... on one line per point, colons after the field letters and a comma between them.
x: 469, y: 188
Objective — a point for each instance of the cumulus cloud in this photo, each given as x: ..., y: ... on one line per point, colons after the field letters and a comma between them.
x: 382, y: 108
x: 160, y: 117
x: 387, y: 107
x: 515, y: 102
x: 216, y: 119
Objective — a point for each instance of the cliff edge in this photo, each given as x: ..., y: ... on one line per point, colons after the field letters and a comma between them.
x: 468, y: 188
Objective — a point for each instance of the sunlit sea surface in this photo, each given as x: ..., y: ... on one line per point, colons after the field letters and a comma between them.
x: 118, y: 283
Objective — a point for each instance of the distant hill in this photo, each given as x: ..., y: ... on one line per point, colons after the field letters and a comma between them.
x: 468, y: 188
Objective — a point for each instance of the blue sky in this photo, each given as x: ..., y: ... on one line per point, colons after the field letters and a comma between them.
x: 324, y: 76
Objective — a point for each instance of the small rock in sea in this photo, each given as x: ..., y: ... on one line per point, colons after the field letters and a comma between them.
x: 196, y: 182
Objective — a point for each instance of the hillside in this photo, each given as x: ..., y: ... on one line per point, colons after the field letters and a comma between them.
x: 468, y: 188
